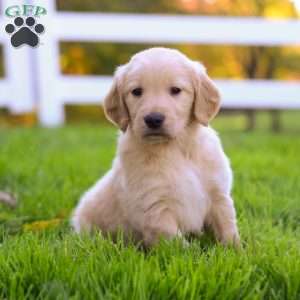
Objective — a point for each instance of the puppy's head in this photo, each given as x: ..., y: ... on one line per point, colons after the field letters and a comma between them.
x: 159, y: 93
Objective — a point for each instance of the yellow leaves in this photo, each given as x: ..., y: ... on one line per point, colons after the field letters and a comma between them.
x: 42, y: 225
x: 74, y: 60
x: 280, y: 9
x: 14, y: 225
x: 26, y: 120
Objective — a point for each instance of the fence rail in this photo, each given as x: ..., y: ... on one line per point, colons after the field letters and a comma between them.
x: 145, y: 28
x: 33, y: 79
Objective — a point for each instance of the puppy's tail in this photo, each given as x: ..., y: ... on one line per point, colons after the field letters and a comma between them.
x: 8, y: 199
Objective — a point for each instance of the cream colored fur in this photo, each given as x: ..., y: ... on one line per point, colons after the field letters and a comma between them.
x: 166, y: 185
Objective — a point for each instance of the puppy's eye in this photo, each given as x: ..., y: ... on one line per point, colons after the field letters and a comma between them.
x: 175, y: 90
x: 137, y: 92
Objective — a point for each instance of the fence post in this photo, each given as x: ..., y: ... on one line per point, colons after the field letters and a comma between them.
x: 275, y: 120
x: 17, y: 65
x: 50, y: 108
x: 251, y: 119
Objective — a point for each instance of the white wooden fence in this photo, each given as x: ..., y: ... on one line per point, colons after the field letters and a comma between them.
x: 33, y: 79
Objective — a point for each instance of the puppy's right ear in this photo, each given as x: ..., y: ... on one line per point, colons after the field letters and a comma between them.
x: 114, y: 106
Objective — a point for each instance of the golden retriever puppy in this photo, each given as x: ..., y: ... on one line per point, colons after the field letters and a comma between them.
x: 170, y: 176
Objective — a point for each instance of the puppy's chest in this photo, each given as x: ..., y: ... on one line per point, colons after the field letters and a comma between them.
x: 174, y: 186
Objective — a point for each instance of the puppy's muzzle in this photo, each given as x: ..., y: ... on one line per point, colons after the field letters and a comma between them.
x: 154, y: 120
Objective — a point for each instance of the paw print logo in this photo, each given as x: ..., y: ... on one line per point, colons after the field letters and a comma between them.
x: 24, y: 32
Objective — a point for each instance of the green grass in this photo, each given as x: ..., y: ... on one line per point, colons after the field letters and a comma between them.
x: 48, y: 170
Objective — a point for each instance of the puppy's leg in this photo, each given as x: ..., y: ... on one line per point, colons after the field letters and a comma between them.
x: 160, y: 225
x: 98, y: 211
x: 222, y: 218
x: 98, y: 208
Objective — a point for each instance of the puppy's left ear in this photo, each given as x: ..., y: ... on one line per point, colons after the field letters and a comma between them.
x: 207, y: 100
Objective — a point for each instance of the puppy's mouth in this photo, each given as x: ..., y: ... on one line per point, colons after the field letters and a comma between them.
x: 156, y: 136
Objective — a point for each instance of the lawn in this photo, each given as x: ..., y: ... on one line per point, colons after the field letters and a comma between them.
x: 41, y: 258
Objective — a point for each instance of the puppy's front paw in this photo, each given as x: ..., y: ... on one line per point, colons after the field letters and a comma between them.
x: 231, y: 239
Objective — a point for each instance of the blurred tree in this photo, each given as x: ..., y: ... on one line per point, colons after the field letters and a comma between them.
x: 221, y: 61
x: 271, y: 8
x: 262, y: 62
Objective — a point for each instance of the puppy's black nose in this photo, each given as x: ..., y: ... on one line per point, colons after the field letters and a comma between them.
x: 154, y: 120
